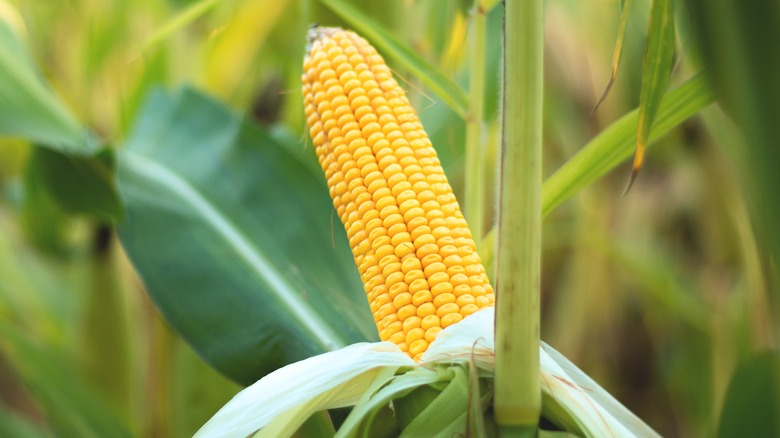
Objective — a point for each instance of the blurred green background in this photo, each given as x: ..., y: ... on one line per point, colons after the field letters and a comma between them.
x: 658, y: 295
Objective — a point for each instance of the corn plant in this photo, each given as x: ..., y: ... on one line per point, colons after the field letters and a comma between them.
x: 164, y: 247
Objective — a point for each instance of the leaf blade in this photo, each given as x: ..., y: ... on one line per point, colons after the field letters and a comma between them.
x: 752, y: 399
x: 615, y: 143
x: 29, y: 108
x: 80, y: 185
x: 616, y: 54
x: 656, y: 71
x: 261, y: 284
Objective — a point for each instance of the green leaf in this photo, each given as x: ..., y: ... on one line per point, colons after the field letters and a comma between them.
x: 80, y: 184
x: 28, y: 108
x: 446, y: 415
x: 615, y: 143
x: 753, y: 399
x: 43, y: 221
x: 657, y: 68
x: 398, y: 387
x: 555, y: 434
x: 318, y: 425
x: 235, y: 239
x: 73, y: 410
x: 447, y: 90
x: 372, y: 418
x: 476, y: 408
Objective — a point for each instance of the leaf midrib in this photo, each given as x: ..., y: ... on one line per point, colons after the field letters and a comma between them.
x: 235, y: 238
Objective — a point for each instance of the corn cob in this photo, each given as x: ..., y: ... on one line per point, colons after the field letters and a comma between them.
x: 411, y: 244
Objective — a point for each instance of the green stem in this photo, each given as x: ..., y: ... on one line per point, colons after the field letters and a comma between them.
x: 107, y: 354
x: 518, y: 394
x: 475, y: 183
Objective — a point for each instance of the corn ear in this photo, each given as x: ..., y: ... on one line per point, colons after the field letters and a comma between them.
x: 411, y: 243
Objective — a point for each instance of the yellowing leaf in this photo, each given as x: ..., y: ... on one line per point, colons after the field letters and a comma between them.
x: 616, y: 54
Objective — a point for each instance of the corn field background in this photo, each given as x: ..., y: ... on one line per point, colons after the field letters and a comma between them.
x: 662, y: 295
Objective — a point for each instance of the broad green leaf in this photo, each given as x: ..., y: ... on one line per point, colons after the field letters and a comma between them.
x: 753, y: 399
x: 80, y: 184
x: 447, y: 90
x: 656, y: 70
x: 72, y: 409
x: 616, y: 142
x: 235, y: 240
x: 625, y: 5
x: 28, y: 108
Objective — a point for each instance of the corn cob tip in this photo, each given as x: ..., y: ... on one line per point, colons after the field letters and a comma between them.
x: 317, y: 32
x: 411, y: 243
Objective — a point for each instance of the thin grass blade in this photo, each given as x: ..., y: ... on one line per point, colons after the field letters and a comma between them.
x: 177, y: 22
x: 615, y: 143
x: 625, y: 5
x: 657, y: 68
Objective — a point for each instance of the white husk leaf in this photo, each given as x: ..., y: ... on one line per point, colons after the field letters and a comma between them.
x: 458, y: 342
x: 595, y: 410
x: 281, y: 401
x: 592, y: 401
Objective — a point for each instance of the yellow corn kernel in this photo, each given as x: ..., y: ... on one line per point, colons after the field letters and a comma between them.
x: 411, y: 244
x: 411, y: 323
x: 431, y: 333
x: 418, y: 347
